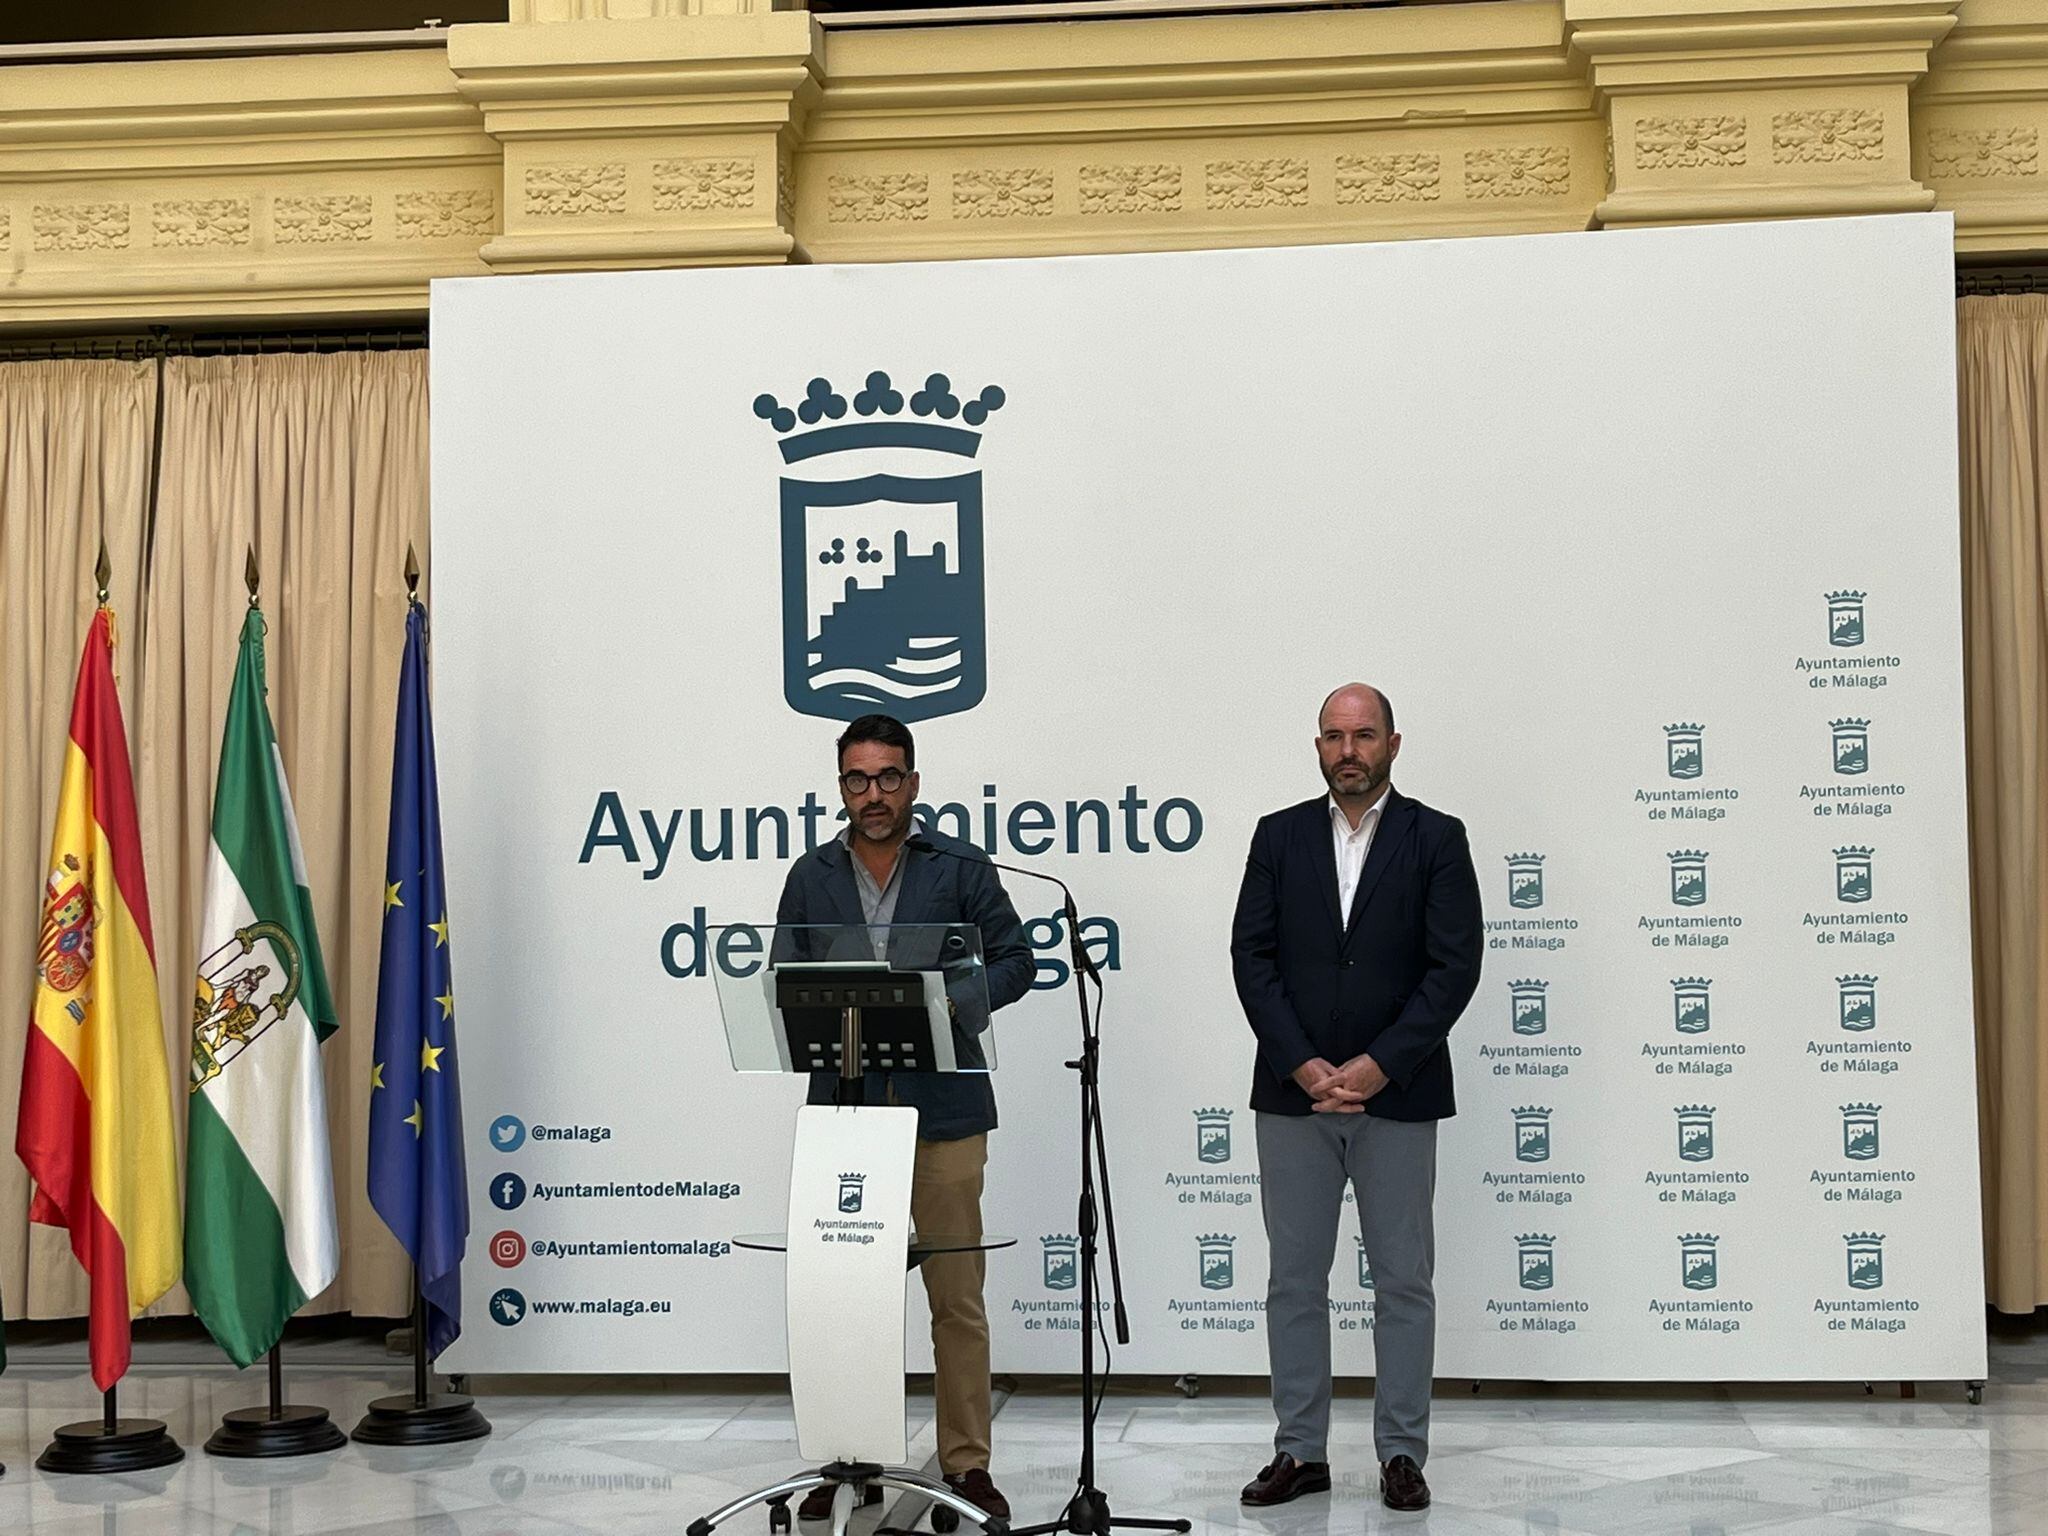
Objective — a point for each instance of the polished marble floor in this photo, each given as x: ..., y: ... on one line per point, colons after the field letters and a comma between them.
x: 631, y: 1456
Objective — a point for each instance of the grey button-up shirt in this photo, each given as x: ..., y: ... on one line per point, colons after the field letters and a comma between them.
x: 877, y: 902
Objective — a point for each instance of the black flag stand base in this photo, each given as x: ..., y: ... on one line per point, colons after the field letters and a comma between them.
x: 110, y: 1444
x: 278, y: 1429
x: 424, y: 1418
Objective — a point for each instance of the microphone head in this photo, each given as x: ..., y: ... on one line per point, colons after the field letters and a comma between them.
x: 921, y: 843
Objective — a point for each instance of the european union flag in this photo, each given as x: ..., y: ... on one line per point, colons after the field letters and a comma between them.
x: 417, y: 1181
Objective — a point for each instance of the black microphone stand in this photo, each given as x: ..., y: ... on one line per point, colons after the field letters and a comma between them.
x: 1087, y: 1512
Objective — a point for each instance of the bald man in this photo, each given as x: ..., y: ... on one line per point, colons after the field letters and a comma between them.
x: 1355, y: 947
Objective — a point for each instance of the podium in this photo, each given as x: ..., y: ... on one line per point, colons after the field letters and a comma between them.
x: 853, y: 1000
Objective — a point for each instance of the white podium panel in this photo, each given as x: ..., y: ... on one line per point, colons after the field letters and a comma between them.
x: 849, y: 1230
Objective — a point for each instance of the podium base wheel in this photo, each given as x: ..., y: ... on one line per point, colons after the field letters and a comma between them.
x: 298, y: 1430
x: 441, y: 1420
x: 133, y: 1445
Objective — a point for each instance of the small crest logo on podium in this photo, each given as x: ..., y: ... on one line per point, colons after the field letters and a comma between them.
x: 1532, y: 1134
x: 1684, y: 751
x: 1688, y: 877
x: 1525, y: 879
x: 1852, y: 873
x: 1852, y: 745
x: 1696, y: 1133
x: 1219, y: 1260
x: 1528, y: 1007
x: 852, y: 1191
x: 1212, y: 1135
x: 883, y: 596
x: 1364, y: 1266
x: 1859, y: 1132
x: 1691, y: 1006
x: 1699, y: 1264
x: 1062, y: 1261
x: 1537, y: 1259
x: 1866, y: 1260
x: 1845, y: 618
x: 1858, y: 1002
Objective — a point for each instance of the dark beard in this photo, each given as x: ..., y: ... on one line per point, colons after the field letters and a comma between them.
x: 1373, y: 780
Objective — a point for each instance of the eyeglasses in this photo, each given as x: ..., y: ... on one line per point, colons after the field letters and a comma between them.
x: 888, y: 781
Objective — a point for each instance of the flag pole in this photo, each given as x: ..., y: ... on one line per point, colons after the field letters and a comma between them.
x: 425, y: 1417
x: 277, y: 1428
x: 111, y: 1443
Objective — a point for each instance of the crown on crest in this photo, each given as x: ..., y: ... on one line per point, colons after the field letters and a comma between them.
x: 1857, y: 981
x: 1854, y: 851
x: 1682, y: 728
x: 823, y: 411
x: 1691, y: 983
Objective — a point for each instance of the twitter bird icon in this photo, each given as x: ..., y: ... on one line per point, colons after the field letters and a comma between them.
x: 508, y: 1133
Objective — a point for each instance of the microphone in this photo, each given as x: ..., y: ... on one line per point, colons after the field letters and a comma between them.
x: 1083, y: 965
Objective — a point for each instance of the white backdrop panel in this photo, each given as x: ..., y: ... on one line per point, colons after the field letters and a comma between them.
x: 1557, y: 495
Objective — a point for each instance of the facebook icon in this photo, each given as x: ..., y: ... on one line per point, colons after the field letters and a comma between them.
x: 508, y: 1191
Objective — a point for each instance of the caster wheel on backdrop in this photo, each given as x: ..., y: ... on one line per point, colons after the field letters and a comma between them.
x: 945, y: 1519
x: 1188, y: 1386
x: 1975, y: 1392
x: 778, y: 1515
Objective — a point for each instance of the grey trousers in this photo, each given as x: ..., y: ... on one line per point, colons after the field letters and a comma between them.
x: 1304, y: 1161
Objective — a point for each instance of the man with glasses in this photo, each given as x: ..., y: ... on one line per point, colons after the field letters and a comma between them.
x: 866, y: 875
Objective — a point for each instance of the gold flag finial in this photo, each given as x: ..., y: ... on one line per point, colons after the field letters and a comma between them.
x: 102, y: 570
x: 249, y: 574
x: 412, y: 573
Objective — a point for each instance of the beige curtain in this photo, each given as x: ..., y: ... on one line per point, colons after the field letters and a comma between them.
x: 2003, y: 384
x: 318, y: 463
x: 74, y: 469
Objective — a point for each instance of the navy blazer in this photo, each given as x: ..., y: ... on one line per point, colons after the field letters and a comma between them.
x: 1391, y: 983
x: 935, y: 888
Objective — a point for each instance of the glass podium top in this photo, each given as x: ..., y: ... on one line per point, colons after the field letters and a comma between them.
x: 790, y: 995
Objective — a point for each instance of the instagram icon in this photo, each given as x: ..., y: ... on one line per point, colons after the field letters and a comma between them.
x: 507, y: 1249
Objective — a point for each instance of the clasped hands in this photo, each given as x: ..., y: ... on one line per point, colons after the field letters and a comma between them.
x: 1340, y: 1090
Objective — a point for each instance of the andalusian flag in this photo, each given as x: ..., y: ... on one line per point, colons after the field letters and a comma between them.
x: 95, y: 1124
x: 260, y: 1239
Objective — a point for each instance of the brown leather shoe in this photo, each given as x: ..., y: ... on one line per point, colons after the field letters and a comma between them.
x: 817, y: 1504
x: 979, y: 1489
x: 1284, y: 1478
x: 1401, y: 1484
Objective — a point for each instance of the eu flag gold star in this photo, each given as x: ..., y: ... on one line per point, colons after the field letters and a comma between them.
x: 391, y: 896
x: 376, y: 1074
x: 414, y: 1120
x: 440, y: 931
x: 447, y: 1002
x: 430, y: 1057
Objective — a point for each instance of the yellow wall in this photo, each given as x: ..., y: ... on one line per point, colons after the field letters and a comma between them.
x: 288, y: 186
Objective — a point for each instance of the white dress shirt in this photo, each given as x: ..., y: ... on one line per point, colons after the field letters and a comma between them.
x: 1352, y: 845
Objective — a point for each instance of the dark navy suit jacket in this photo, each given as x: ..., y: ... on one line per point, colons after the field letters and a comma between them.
x: 935, y: 889
x: 1391, y: 983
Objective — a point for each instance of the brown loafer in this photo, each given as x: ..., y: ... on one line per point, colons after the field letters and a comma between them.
x: 1401, y: 1484
x: 1284, y: 1478
x: 979, y: 1489
x: 817, y: 1504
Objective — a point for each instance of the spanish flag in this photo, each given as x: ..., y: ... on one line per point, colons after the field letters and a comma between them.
x: 95, y: 1125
